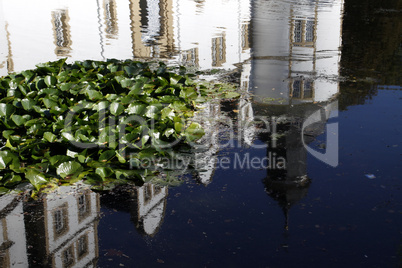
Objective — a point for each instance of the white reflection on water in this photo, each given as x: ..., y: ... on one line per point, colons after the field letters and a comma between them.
x: 203, y: 33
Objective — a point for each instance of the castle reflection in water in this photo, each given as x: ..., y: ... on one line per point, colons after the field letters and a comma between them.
x: 289, y: 64
x: 60, y: 229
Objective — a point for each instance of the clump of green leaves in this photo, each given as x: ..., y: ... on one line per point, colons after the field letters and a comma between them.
x: 94, y: 121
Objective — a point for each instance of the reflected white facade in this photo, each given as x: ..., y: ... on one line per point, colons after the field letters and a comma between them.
x: 209, y: 33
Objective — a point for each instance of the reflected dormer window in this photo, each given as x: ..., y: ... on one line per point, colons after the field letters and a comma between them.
x: 218, y: 51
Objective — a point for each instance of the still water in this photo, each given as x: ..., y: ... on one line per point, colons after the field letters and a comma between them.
x: 304, y: 170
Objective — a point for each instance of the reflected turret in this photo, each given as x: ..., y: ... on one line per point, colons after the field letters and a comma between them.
x: 146, y: 205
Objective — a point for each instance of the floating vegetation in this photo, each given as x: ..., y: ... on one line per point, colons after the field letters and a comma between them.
x: 97, y: 122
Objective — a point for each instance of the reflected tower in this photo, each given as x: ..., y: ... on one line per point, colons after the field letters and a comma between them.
x: 294, y: 84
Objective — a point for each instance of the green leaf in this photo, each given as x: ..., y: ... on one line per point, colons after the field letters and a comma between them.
x: 104, y: 172
x: 40, y: 84
x: 6, y: 109
x: 232, y: 95
x: 93, y: 94
x: 18, y: 119
x: 36, y: 178
x: 136, y: 108
x: 50, y: 80
x: 28, y: 104
x: 107, y: 155
x: 126, y: 83
x: 58, y: 159
x: 154, y: 111
x: 116, y: 108
x: 49, y: 103
x: 178, y: 127
x: 49, y: 136
x: 69, y: 170
x: 194, y: 131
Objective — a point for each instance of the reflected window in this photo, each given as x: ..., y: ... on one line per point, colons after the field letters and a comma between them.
x: 68, y: 257
x: 147, y: 193
x: 303, y: 32
x: 245, y: 36
x: 302, y: 89
x: 218, y: 51
x: 111, y: 19
x: 82, y: 246
x: 190, y: 57
x: 309, y: 31
x: 62, y: 35
x: 84, y: 206
x: 296, y: 89
x: 298, y: 31
x: 60, y: 220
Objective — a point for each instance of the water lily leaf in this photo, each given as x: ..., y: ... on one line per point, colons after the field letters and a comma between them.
x: 107, y: 155
x: 194, y: 131
x: 40, y: 84
x: 6, y: 109
x: 50, y: 80
x: 153, y: 111
x: 167, y: 113
x: 232, y: 95
x: 36, y: 178
x: 104, y: 172
x: 18, y: 119
x: 49, y: 136
x: 126, y: 83
x: 93, y: 94
x: 69, y: 170
x: 28, y: 104
x: 188, y: 93
x: 116, y: 108
x: 58, y: 159
x: 49, y: 103
x: 178, y: 127
x: 136, y: 108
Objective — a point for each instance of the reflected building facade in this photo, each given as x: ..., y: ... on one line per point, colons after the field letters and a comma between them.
x: 57, y: 230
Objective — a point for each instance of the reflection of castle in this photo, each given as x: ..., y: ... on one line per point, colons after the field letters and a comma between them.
x: 293, y: 78
x: 59, y: 230
x: 123, y: 30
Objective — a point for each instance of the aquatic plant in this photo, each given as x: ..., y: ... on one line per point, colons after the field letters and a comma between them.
x: 94, y: 121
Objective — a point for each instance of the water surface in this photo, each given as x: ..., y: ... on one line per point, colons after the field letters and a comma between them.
x: 303, y: 170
